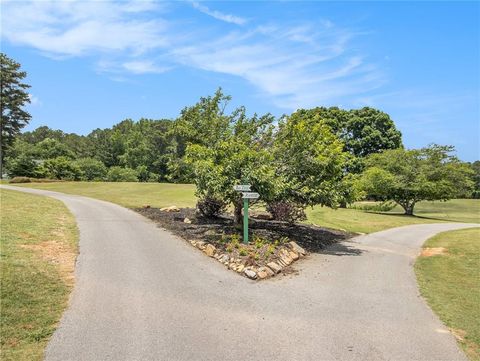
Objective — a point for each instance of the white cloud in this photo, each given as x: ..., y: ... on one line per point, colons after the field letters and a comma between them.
x: 76, y: 28
x: 293, y: 65
x: 219, y: 15
x: 142, y: 67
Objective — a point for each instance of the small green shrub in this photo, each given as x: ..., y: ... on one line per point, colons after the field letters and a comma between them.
x: 119, y: 174
x: 375, y: 207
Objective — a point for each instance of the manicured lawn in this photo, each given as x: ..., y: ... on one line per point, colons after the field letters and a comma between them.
x: 38, y: 249
x: 127, y: 194
x: 451, y: 284
x: 456, y: 210
x: 182, y: 195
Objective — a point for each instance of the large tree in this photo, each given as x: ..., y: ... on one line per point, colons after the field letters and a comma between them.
x: 14, y: 98
x: 410, y: 176
x: 363, y: 131
x: 227, y: 149
x: 310, y: 161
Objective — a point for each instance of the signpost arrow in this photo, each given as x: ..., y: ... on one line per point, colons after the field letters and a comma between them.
x: 242, y: 187
x: 250, y: 195
x: 246, y: 195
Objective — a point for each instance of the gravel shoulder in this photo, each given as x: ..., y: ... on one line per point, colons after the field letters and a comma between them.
x: 143, y: 294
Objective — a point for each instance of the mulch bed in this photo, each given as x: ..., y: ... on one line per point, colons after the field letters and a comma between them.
x: 272, y: 249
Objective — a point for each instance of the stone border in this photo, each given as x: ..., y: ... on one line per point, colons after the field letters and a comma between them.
x: 288, y: 254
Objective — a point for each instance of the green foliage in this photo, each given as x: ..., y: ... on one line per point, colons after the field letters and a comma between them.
x: 476, y: 179
x: 14, y: 97
x: 91, y: 169
x: 410, y: 176
x: 52, y: 148
x: 363, y: 131
x: 119, y: 174
x: 234, y: 150
x: 23, y: 165
x: 60, y: 168
x: 310, y: 162
x: 386, y: 206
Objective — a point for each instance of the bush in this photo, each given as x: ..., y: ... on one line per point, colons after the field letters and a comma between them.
x: 91, y: 169
x: 211, y: 207
x: 375, y: 207
x: 290, y: 212
x: 20, y: 180
x: 61, y: 168
x: 119, y: 174
x: 22, y: 166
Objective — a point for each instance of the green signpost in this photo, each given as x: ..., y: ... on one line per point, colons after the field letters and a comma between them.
x: 246, y: 195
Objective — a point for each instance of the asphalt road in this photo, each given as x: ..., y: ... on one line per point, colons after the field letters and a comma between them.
x: 143, y: 294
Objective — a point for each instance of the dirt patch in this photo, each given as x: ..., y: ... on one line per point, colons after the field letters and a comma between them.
x: 57, y: 253
x: 436, y: 251
x: 270, y: 241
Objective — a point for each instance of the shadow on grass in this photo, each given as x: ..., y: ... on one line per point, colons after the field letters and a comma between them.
x: 414, y: 216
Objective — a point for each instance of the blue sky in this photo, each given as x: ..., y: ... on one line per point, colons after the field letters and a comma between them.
x: 92, y: 64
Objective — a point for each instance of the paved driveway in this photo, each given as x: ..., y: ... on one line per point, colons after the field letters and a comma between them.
x: 143, y: 294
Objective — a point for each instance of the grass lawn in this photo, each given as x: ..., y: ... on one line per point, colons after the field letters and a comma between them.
x: 450, y: 283
x: 455, y: 210
x: 127, y: 194
x: 38, y: 249
x: 182, y: 195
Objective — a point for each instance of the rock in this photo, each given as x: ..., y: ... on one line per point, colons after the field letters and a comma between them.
x: 193, y: 243
x: 210, y: 250
x: 296, y: 248
x: 240, y: 268
x: 250, y: 274
x: 187, y: 220
x: 201, y: 245
x: 286, y: 259
x: 224, y: 258
x: 293, y: 255
x: 274, y: 267
x: 170, y: 209
x: 264, y: 272
x: 146, y: 206
x: 285, y: 256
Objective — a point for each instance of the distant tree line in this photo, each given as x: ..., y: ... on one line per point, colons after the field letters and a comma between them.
x: 320, y: 156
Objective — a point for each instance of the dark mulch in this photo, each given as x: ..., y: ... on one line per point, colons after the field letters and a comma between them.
x: 310, y: 237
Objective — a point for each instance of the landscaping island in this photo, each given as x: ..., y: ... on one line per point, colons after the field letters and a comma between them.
x: 274, y: 245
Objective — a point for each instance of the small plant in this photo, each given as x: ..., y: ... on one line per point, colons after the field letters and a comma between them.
x: 243, y: 252
x: 287, y: 211
x: 259, y: 243
x: 375, y: 207
x: 211, y: 207
x: 269, y: 251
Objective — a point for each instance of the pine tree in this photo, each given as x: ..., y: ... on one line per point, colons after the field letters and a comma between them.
x: 13, y: 99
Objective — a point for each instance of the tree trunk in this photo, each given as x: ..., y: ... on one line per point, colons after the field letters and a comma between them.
x: 409, y: 209
x: 237, y: 213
